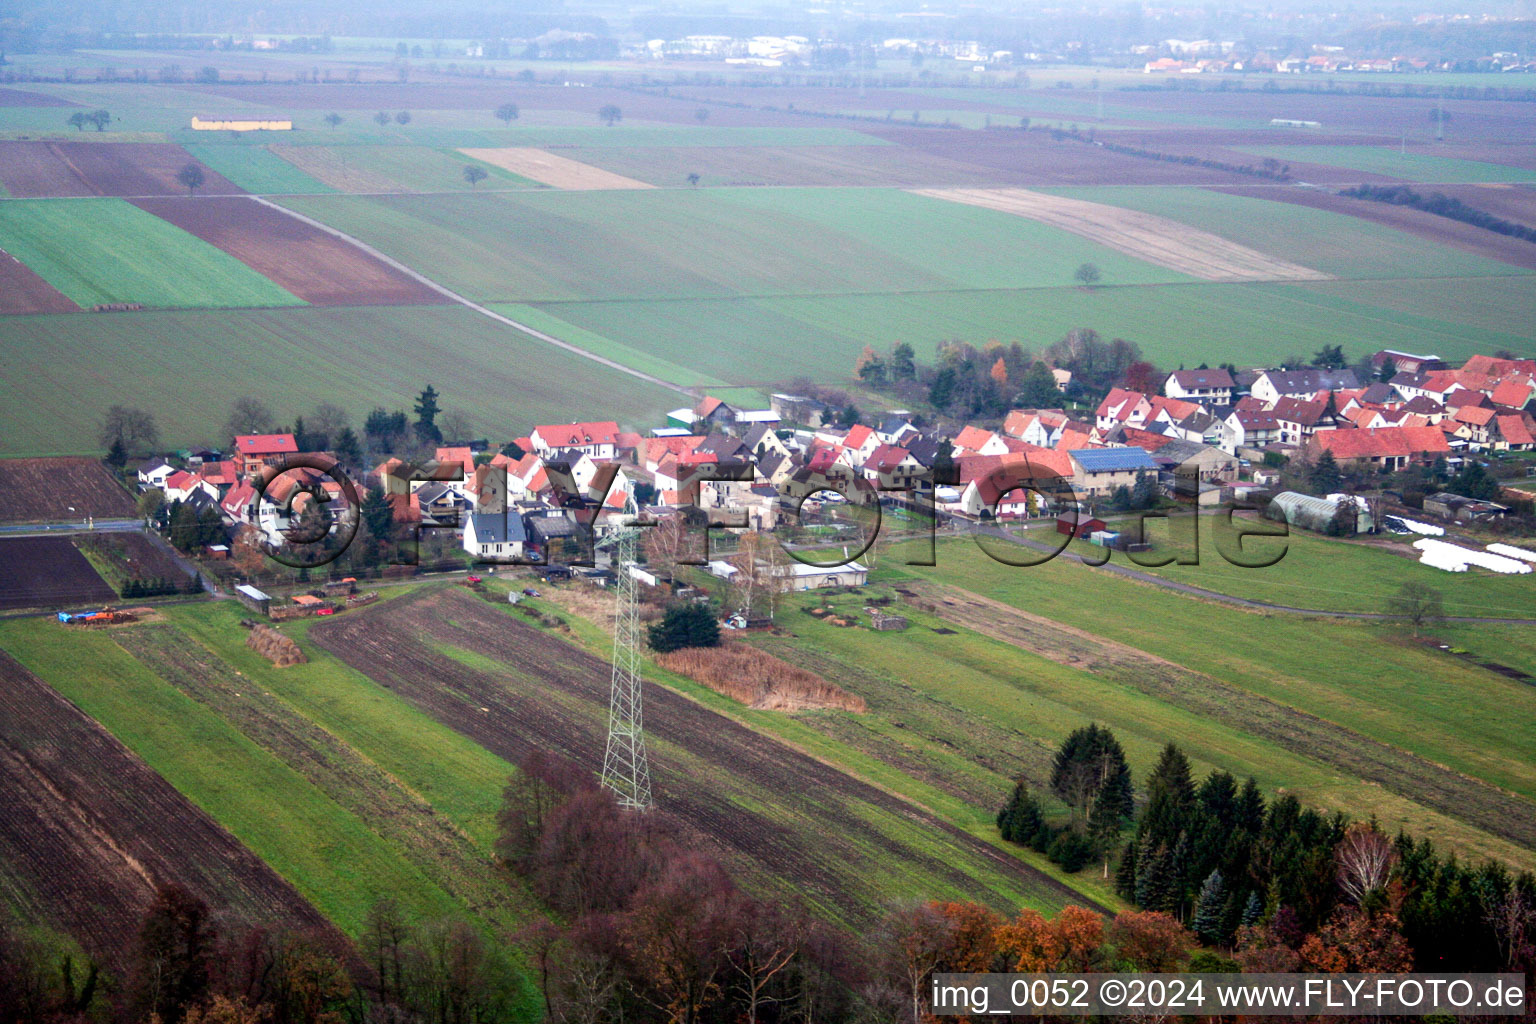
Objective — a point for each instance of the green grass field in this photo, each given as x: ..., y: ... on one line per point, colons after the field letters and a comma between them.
x: 773, y: 339
x: 1334, y: 243
x: 716, y: 242
x: 256, y: 169
x: 1317, y: 572
x: 75, y: 366
x: 107, y: 250
x: 408, y: 168
x: 306, y: 837
x: 967, y: 714
x: 1462, y: 717
x: 1384, y: 160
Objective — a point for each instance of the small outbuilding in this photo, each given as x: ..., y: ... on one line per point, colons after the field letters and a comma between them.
x: 255, y: 600
x: 1078, y: 524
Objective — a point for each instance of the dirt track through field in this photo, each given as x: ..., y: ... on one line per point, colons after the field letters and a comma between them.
x: 89, y: 831
x: 549, y: 169
x: 1142, y: 235
x: 1416, y: 778
x: 315, y: 265
x: 799, y: 826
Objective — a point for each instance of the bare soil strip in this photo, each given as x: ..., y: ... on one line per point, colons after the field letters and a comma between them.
x: 36, y: 169
x: 23, y: 291
x: 89, y: 831
x: 797, y: 825
x: 58, y: 489
x: 1142, y: 235
x: 317, y: 266
x: 48, y: 572
x: 557, y: 171
x: 1418, y: 779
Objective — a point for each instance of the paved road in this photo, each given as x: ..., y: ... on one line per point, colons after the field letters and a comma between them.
x: 73, y: 526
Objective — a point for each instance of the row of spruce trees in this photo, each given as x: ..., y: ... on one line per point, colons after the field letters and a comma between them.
x: 1219, y: 856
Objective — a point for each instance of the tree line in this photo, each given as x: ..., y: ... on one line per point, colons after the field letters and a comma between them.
x: 966, y: 381
x: 1275, y: 884
x: 1442, y: 205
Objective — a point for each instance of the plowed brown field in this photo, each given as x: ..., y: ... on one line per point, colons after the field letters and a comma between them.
x: 33, y: 169
x: 316, y: 266
x: 793, y: 823
x: 49, y: 573
x: 59, y: 490
x: 88, y: 831
x: 22, y: 291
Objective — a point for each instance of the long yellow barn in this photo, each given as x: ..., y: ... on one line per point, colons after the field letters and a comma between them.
x: 203, y: 124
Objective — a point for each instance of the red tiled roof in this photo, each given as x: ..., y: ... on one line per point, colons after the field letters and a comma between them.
x: 972, y: 438
x: 887, y: 457
x: 1018, y: 421
x: 1382, y: 442
x: 1515, y: 430
x: 265, y: 444
x: 1512, y: 394
x: 707, y: 405
x: 574, y: 435
x: 858, y: 434
x: 1490, y: 366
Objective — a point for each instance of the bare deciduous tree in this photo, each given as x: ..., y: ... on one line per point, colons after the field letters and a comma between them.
x: 248, y: 416
x: 134, y: 428
x: 1363, y: 860
x: 1416, y: 603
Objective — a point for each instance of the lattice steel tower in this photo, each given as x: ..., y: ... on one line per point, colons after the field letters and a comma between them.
x: 626, y: 772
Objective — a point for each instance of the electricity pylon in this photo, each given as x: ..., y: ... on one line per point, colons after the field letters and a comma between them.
x: 626, y: 773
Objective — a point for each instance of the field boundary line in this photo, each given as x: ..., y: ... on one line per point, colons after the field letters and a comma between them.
x: 449, y: 293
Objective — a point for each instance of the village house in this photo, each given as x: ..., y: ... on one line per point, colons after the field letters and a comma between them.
x: 598, y: 439
x: 713, y: 413
x: 253, y: 451
x: 1028, y: 427
x: 495, y: 536
x: 798, y: 409
x: 1101, y: 470
x: 154, y: 473
x: 1273, y: 385
x: 1512, y: 434
x: 1122, y: 406
x: 1389, y: 448
x: 1206, y: 387
x: 1250, y: 429
x: 1300, y: 418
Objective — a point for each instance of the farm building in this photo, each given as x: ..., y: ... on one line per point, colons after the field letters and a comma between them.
x: 1462, y: 509
x: 813, y: 577
x: 1101, y: 470
x: 255, y: 600
x: 1316, y: 514
x: 240, y: 124
x: 1078, y: 524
